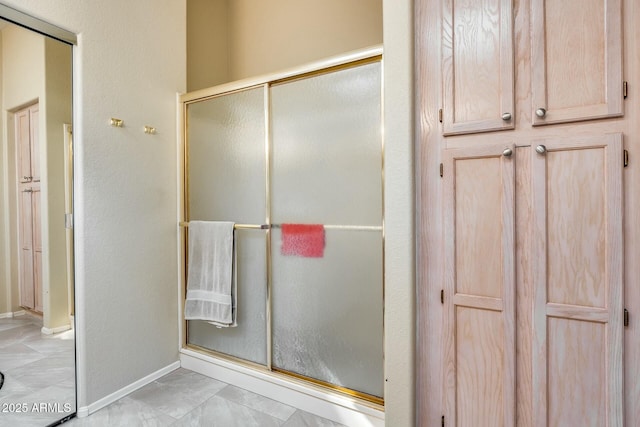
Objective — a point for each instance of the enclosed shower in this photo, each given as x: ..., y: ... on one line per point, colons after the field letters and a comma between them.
x: 300, y: 150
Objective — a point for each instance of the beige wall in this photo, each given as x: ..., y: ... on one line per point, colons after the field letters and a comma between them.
x: 5, y: 273
x: 230, y: 40
x: 58, y: 111
x: 207, y: 43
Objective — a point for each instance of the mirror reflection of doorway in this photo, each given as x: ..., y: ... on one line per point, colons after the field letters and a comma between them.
x: 37, y: 345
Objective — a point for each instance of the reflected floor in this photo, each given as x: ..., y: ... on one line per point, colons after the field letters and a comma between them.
x: 185, y: 398
x: 39, y: 373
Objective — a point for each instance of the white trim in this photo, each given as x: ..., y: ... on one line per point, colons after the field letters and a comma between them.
x: 107, y: 400
x: 51, y: 331
x: 309, y: 398
x: 11, y: 314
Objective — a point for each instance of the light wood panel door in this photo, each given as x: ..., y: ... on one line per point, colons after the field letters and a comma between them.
x: 27, y: 283
x: 576, y: 60
x: 36, y: 219
x: 578, y: 281
x: 34, y: 133
x: 29, y: 218
x: 479, y: 287
x: 477, y: 66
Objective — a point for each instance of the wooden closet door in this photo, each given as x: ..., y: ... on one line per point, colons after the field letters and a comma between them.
x: 479, y: 287
x: 576, y: 60
x: 577, y: 276
x: 23, y: 142
x: 37, y: 248
x: 477, y: 66
x: 27, y: 291
x: 34, y: 133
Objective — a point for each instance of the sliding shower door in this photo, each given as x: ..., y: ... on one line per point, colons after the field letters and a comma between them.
x: 226, y: 176
x: 301, y: 152
x: 326, y: 168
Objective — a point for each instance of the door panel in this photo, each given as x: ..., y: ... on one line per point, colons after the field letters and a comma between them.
x: 477, y: 65
x: 577, y: 277
x: 34, y: 126
x: 37, y: 249
x: 576, y: 59
x: 26, y: 250
x: 576, y: 399
x: 479, y: 287
x: 23, y: 141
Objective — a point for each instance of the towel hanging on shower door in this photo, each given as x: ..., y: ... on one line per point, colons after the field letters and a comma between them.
x: 304, y: 240
x: 211, y: 284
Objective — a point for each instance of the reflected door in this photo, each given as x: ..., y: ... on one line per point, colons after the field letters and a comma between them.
x: 28, y: 148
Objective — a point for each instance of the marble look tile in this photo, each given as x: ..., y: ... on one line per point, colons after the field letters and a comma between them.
x: 125, y: 412
x: 6, y: 324
x: 170, y: 401
x: 305, y: 419
x: 13, y: 390
x: 257, y: 402
x: 42, y: 407
x: 51, y: 345
x: 15, y: 355
x: 18, y: 335
x: 44, y: 372
x: 192, y: 382
x: 219, y: 412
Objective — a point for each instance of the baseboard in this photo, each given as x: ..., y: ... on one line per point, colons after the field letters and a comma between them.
x: 333, y: 406
x: 107, y: 400
x: 51, y: 331
x: 11, y: 314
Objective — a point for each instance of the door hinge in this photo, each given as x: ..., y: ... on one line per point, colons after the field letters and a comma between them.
x: 441, y: 170
x: 442, y: 296
x: 626, y: 317
x: 440, y: 115
x: 626, y: 158
x: 624, y: 89
x: 443, y: 421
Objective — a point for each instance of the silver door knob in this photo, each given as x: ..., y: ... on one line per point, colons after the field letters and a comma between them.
x: 507, y: 152
x: 541, y: 112
x: 506, y: 117
x: 541, y: 149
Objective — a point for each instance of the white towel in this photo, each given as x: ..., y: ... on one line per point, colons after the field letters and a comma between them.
x: 211, y: 288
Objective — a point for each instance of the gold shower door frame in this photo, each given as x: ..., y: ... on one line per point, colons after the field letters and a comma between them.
x: 354, y: 59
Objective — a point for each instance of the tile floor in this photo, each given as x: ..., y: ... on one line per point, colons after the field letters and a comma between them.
x: 39, y: 369
x: 185, y: 398
x: 39, y: 373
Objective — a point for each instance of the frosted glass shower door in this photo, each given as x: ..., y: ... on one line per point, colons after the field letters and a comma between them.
x: 326, y: 168
x: 226, y: 182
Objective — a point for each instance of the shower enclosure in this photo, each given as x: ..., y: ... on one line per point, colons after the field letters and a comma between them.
x: 303, y: 147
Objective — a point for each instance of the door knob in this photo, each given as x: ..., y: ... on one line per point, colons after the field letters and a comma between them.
x: 541, y: 149
x: 506, y: 117
x: 507, y: 152
x: 541, y: 112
